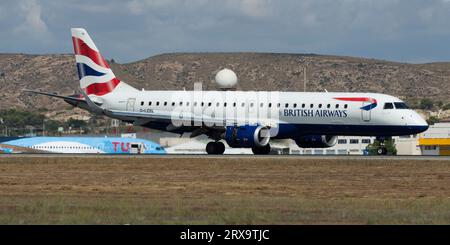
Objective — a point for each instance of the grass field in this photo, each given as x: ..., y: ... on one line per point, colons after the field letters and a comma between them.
x: 162, y: 190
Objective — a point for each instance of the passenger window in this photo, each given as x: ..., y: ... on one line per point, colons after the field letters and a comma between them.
x: 181, y: 103
x: 320, y: 105
x: 209, y: 104
x: 142, y: 102
x: 149, y: 103
x: 203, y: 104
x: 303, y: 105
x: 165, y: 103
x: 261, y: 105
x: 173, y: 103
x: 286, y: 105
x: 234, y: 104
x: 243, y: 104
x: 251, y: 104
x: 157, y: 103
x: 225, y: 104
x: 278, y: 105
x: 345, y: 106
x: 337, y: 106
x: 328, y: 106
x: 388, y: 106
x: 312, y: 105
x: 295, y: 105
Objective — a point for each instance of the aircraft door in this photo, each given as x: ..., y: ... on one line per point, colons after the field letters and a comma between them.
x: 130, y: 104
x: 365, y: 115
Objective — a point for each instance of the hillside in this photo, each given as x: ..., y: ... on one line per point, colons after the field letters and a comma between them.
x: 256, y: 71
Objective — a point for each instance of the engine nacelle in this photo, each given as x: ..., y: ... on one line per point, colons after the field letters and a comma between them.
x: 316, y: 141
x: 247, y: 136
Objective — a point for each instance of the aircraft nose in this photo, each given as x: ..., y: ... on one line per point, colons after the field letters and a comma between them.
x: 422, y: 125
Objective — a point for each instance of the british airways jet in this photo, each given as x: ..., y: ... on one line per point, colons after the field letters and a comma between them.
x: 241, y: 119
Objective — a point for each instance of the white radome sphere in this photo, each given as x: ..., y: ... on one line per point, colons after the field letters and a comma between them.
x: 226, y: 78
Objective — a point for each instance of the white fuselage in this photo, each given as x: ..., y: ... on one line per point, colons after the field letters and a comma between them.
x: 321, y: 113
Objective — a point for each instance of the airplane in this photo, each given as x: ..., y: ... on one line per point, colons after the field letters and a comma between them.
x: 85, y: 145
x: 241, y: 119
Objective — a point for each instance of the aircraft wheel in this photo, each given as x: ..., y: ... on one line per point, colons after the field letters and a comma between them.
x: 220, y: 148
x: 265, y: 150
x: 382, y: 151
x: 211, y: 148
x: 215, y: 148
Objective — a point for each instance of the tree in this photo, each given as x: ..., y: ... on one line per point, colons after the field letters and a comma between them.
x: 432, y: 120
x: 446, y: 107
x: 52, y: 125
x: 376, y: 145
x: 390, y: 147
x: 426, y: 104
x: 74, y: 123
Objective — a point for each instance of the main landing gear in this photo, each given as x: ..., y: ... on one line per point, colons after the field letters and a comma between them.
x: 215, y: 148
x: 265, y: 150
x: 218, y: 148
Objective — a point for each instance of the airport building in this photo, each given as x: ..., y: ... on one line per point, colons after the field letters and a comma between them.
x: 356, y: 145
x: 436, y: 140
x: 346, y: 145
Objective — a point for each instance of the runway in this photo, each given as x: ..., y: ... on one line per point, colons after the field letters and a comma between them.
x: 234, y: 157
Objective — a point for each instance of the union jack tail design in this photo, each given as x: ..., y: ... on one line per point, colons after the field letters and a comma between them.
x: 96, y: 77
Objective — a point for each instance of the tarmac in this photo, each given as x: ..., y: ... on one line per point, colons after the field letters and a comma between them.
x: 234, y: 157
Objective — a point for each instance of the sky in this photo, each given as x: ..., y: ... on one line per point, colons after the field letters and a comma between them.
x: 414, y: 31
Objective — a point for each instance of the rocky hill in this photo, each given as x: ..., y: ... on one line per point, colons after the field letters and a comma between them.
x: 256, y: 71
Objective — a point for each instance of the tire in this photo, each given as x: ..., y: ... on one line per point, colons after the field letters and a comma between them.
x: 382, y: 151
x: 220, y: 148
x: 211, y: 148
x: 265, y: 150
x: 215, y: 148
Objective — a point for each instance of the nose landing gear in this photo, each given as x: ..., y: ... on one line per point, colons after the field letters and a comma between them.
x: 382, y: 150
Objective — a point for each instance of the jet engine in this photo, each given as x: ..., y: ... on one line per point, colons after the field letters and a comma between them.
x: 247, y: 136
x: 316, y: 141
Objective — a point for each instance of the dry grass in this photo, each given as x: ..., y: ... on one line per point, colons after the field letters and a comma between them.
x: 223, y: 191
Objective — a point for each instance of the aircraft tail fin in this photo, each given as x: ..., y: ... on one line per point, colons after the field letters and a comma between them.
x: 96, y: 77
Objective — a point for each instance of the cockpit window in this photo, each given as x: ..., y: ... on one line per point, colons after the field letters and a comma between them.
x: 388, y: 106
x: 400, y: 105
